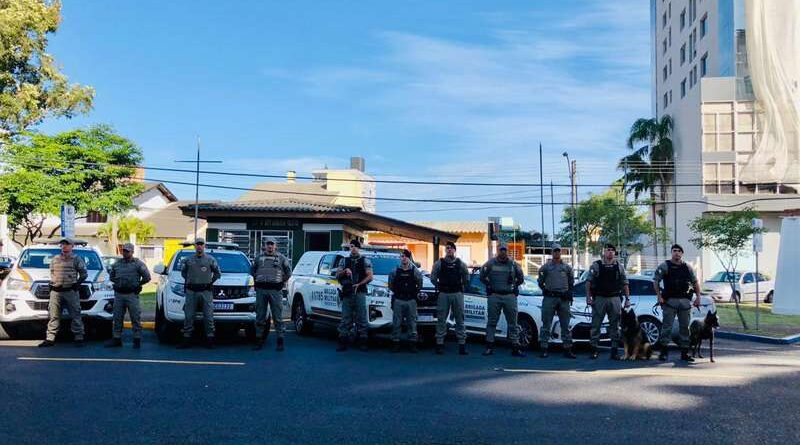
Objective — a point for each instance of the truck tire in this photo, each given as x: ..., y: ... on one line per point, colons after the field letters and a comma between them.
x: 302, y: 324
x: 166, y: 331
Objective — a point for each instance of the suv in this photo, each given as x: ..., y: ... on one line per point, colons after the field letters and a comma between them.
x: 234, y: 295
x: 25, y: 294
x: 314, y: 292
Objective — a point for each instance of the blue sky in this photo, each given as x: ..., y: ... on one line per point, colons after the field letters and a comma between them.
x: 457, y: 90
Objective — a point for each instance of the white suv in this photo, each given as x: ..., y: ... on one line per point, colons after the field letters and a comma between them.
x: 314, y: 292
x: 234, y: 295
x: 25, y: 293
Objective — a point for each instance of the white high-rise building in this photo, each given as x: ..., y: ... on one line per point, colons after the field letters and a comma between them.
x: 728, y: 73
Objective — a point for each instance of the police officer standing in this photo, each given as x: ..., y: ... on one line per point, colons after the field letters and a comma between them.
x: 502, y: 277
x: 679, y: 282
x: 450, y: 276
x: 67, y: 272
x: 556, y: 281
x: 199, y: 272
x: 128, y: 274
x: 405, y: 283
x: 354, y: 274
x: 270, y: 271
x: 604, y: 295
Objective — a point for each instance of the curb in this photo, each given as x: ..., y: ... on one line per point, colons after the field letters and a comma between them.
x: 759, y: 338
x: 149, y: 325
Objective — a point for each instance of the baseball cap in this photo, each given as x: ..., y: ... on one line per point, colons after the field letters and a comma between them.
x: 270, y: 239
x: 200, y: 241
x: 502, y: 246
x: 128, y: 247
x: 555, y: 246
x: 356, y: 243
x: 65, y: 240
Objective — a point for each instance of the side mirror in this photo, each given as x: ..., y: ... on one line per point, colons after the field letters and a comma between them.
x: 159, y: 269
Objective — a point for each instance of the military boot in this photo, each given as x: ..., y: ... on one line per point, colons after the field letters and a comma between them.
x: 279, y: 344
x: 259, y: 345
x: 113, y: 343
x: 342, y: 345
x: 517, y: 351
x: 489, y: 349
x: 685, y: 356
x: 545, y: 353
x: 186, y: 343
x: 615, y: 353
x: 595, y: 353
x: 663, y: 355
x: 439, y: 349
x: 46, y: 344
x: 568, y: 353
x: 210, y: 343
x: 137, y: 343
x: 462, y: 350
x: 412, y: 347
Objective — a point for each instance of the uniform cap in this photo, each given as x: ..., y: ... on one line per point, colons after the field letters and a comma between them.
x: 502, y: 246
x: 270, y: 239
x: 200, y: 241
x: 555, y: 246
x: 66, y: 240
x: 128, y: 247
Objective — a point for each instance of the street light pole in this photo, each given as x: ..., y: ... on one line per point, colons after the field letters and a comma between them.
x: 541, y: 196
x: 573, y: 199
x: 197, y: 163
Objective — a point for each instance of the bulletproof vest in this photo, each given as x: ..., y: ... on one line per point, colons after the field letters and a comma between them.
x: 404, y: 284
x: 64, y: 271
x: 678, y: 281
x: 199, y: 269
x: 356, y: 265
x: 450, y: 276
x: 126, y: 275
x: 606, y: 284
x: 501, y: 277
x: 269, y: 269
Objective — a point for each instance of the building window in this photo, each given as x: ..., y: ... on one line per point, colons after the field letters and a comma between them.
x: 692, y: 10
x: 683, y: 19
x: 669, y: 36
x: 665, y: 100
x: 683, y: 54
x: 683, y: 88
x: 664, y: 46
x: 96, y: 217
x: 670, y: 96
x: 704, y: 65
x: 704, y: 26
x: 665, y: 72
x: 664, y: 20
x: 719, y: 178
x: 670, y: 66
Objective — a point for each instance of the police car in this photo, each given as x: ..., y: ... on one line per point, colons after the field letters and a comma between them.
x: 25, y: 293
x: 314, y: 291
x: 234, y: 295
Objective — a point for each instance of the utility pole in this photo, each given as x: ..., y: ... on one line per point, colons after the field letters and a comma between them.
x: 541, y: 196
x: 552, y: 212
x: 573, y: 201
x: 197, y: 163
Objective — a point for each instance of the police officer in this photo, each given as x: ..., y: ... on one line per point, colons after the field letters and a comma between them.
x: 354, y: 274
x: 199, y: 272
x: 604, y: 295
x: 450, y: 276
x: 405, y: 283
x: 556, y: 281
x: 679, y: 282
x: 128, y: 275
x: 270, y: 271
x: 502, y: 277
x: 67, y: 272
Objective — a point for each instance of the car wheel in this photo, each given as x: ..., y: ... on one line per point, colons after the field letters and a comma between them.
x: 24, y: 331
x: 302, y: 324
x: 165, y: 331
x: 768, y: 298
x: 651, y: 328
x: 528, y: 335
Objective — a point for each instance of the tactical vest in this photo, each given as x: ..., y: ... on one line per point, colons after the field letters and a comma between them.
x: 404, y: 284
x: 127, y: 278
x: 450, y: 276
x: 356, y: 265
x: 63, y: 272
x: 678, y: 281
x: 501, y: 277
x: 606, y: 284
x: 269, y: 272
x: 199, y: 274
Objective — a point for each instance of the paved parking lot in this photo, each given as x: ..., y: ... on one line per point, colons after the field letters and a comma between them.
x: 312, y: 394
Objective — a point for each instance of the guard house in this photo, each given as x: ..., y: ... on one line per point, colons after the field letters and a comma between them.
x: 301, y: 226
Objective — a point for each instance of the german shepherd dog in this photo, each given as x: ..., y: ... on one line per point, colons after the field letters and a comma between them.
x: 703, y: 330
x: 636, y: 345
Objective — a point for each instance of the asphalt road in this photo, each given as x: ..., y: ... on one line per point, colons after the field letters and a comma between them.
x: 311, y: 394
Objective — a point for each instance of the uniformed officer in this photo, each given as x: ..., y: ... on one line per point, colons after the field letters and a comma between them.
x: 405, y: 283
x: 556, y: 281
x: 502, y: 277
x: 354, y: 274
x: 67, y: 272
x: 604, y: 295
x: 199, y: 272
x: 128, y: 274
x: 451, y: 277
x: 270, y: 271
x: 679, y: 282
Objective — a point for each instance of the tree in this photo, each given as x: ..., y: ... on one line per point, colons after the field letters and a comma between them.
x: 31, y: 84
x: 125, y: 227
x: 605, y: 218
x: 727, y: 235
x: 651, y: 168
x: 87, y: 168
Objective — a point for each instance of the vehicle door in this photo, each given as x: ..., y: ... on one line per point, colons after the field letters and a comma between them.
x: 747, y: 287
x: 325, y: 288
x: 475, y: 305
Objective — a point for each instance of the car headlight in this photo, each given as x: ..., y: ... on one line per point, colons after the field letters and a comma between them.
x: 377, y: 291
x: 178, y: 289
x: 17, y: 284
x: 103, y: 286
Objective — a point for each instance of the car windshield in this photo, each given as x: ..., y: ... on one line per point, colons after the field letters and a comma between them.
x: 228, y: 262
x: 530, y: 287
x: 41, y: 258
x: 724, y: 277
x: 384, y: 265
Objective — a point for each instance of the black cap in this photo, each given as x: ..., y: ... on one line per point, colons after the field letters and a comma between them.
x: 356, y: 243
x: 677, y: 246
x: 451, y: 244
x: 612, y: 247
x: 406, y: 253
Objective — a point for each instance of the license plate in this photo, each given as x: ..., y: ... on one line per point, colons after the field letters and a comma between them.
x: 425, y: 318
x: 223, y: 306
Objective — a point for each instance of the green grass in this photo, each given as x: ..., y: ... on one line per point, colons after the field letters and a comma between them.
x: 769, y: 324
x: 147, y: 298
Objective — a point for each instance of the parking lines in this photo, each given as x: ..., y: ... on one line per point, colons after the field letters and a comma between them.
x: 671, y: 372
x: 130, y: 360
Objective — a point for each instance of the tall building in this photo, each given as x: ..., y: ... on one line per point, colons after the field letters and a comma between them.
x: 728, y: 73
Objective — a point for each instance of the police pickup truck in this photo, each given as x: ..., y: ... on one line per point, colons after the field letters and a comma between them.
x: 25, y: 293
x: 234, y: 295
x: 314, y: 291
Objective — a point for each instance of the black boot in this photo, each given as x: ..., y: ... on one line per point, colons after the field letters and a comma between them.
x: 412, y: 347
x: 79, y: 343
x: 439, y: 349
x: 615, y: 353
x: 342, y: 345
x: 462, y: 350
x: 362, y: 345
x: 595, y: 353
x: 259, y: 345
x: 113, y: 343
x: 186, y: 343
x: 396, y: 347
x: 568, y: 353
x: 545, y: 353
x: 210, y: 343
x: 137, y: 343
x: 47, y: 344
x: 489, y: 349
x: 516, y: 351
x: 663, y: 354
x: 279, y: 346
x: 685, y: 356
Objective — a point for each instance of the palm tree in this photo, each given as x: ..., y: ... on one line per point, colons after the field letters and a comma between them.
x: 651, y: 167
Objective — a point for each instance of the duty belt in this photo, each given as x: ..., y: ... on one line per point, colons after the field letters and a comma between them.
x: 268, y: 285
x: 198, y: 287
